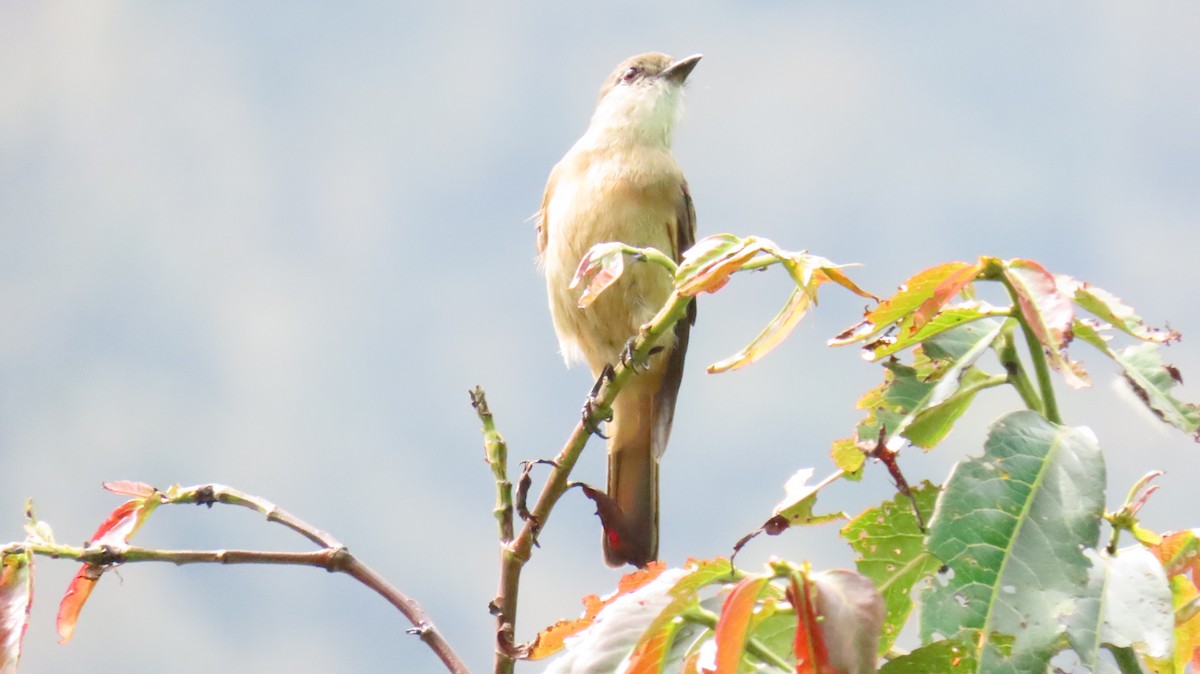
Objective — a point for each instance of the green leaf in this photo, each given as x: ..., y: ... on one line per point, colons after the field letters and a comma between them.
x: 921, y: 404
x: 908, y: 298
x: 1136, y: 610
x: 1152, y: 381
x: 948, y: 318
x: 941, y: 657
x: 798, y: 502
x: 1109, y: 307
x: 891, y: 552
x: 1011, y: 527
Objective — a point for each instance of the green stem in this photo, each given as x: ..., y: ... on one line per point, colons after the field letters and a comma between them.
x: 1042, y: 369
x: 1126, y: 659
x: 496, y: 453
x: 754, y: 647
x: 1006, y: 349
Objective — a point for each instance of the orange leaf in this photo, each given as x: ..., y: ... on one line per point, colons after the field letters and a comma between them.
x: 734, y: 623
x: 550, y: 640
x: 73, y: 601
x: 908, y: 298
x: 944, y: 292
x: 129, y: 488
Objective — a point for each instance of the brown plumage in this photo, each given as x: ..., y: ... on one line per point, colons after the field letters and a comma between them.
x: 620, y: 183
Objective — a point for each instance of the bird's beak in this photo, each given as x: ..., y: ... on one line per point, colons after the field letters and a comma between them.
x: 678, y: 71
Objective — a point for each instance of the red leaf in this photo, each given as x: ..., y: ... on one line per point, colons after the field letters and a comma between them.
x: 812, y: 655
x: 734, y: 623
x: 16, y: 599
x: 72, y: 602
x: 121, y: 524
x: 129, y: 488
x: 944, y: 292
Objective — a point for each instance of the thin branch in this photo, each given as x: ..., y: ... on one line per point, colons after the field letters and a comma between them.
x: 514, y: 555
x: 333, y: 557
x: 1007, y: 351
x: 706, y: 618
x: 496, y: 454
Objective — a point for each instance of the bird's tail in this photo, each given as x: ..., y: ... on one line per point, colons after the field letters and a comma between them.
x: 633, y: 474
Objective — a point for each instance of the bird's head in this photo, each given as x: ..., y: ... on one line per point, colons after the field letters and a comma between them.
x: 640, y: 101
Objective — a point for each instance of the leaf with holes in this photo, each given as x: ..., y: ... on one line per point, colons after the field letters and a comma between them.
x: 1011, y: 527
x: 1152, y: 380
x: 1108, y: 307
x: 891, y: 552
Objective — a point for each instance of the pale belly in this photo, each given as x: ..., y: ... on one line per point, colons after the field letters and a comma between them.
x: 580, y: 218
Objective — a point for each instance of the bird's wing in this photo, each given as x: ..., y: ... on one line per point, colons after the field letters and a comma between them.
x: 685, y: 237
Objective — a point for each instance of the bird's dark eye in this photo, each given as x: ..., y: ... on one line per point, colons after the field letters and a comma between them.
x: 631, y: 74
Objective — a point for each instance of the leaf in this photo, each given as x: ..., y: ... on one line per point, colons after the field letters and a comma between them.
x: 617, y: 629
x: 807, y: 271
x: 1179, y: 555
x: 636, y: 626
x: 950, y: 317
x: 798, y: 502
x: 771, y: 336
x: 812, y: 654
x: 940, y: 657
x: 733, y: 625
x: 891, y: 552
x: 922, y: 406
x: 129, y: 488
x: 16, y: 600
x: 1110, y: 308
x: 1136, y: 604
x: 607, y: 262
x: 1152, y: 381
x: 114, y: 532
x: 851, y: 614
x: 550, y: 640
x: 707, y: 266
x: 917, y: 290
x: 1049, y: 313
x: 1011, y: 527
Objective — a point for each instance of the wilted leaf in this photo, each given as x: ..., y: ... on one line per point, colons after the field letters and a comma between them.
x: 16, y: 600
x: 798, y: 502
x: 1049, y: 313
x: 891, y: 552
x: 852, y: 615
x: 1152, y: 381
x: 771, y: 336
x: 1011, y: 527
x: 1110, y: 308
x: 607, y: 262
x: 130, y: 488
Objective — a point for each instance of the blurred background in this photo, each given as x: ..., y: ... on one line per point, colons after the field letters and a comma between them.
x: 274, y: 244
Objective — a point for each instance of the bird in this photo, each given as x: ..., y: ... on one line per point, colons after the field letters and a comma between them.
x: 621, y: 182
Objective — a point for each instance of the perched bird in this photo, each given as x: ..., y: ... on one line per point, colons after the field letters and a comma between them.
x: 620, y: 182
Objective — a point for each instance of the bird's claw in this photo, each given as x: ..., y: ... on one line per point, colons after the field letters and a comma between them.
x: 589, y: 418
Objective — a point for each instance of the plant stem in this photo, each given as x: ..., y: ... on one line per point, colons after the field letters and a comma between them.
x: 1036, y: 354
x: 514, y: 555
x: 1127, y: 661
x: 700, y: 616
x: 1006, y: 350
x: 496, y: 453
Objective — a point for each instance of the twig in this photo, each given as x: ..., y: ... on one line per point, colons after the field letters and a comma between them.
x: 333, y: 557
x: 514, y: 555
x: 496, y: 454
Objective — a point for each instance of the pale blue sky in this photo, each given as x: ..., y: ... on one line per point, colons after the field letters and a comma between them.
x: 274, y: 244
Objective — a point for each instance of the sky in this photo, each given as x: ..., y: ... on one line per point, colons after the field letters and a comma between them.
x: 273, y: 245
